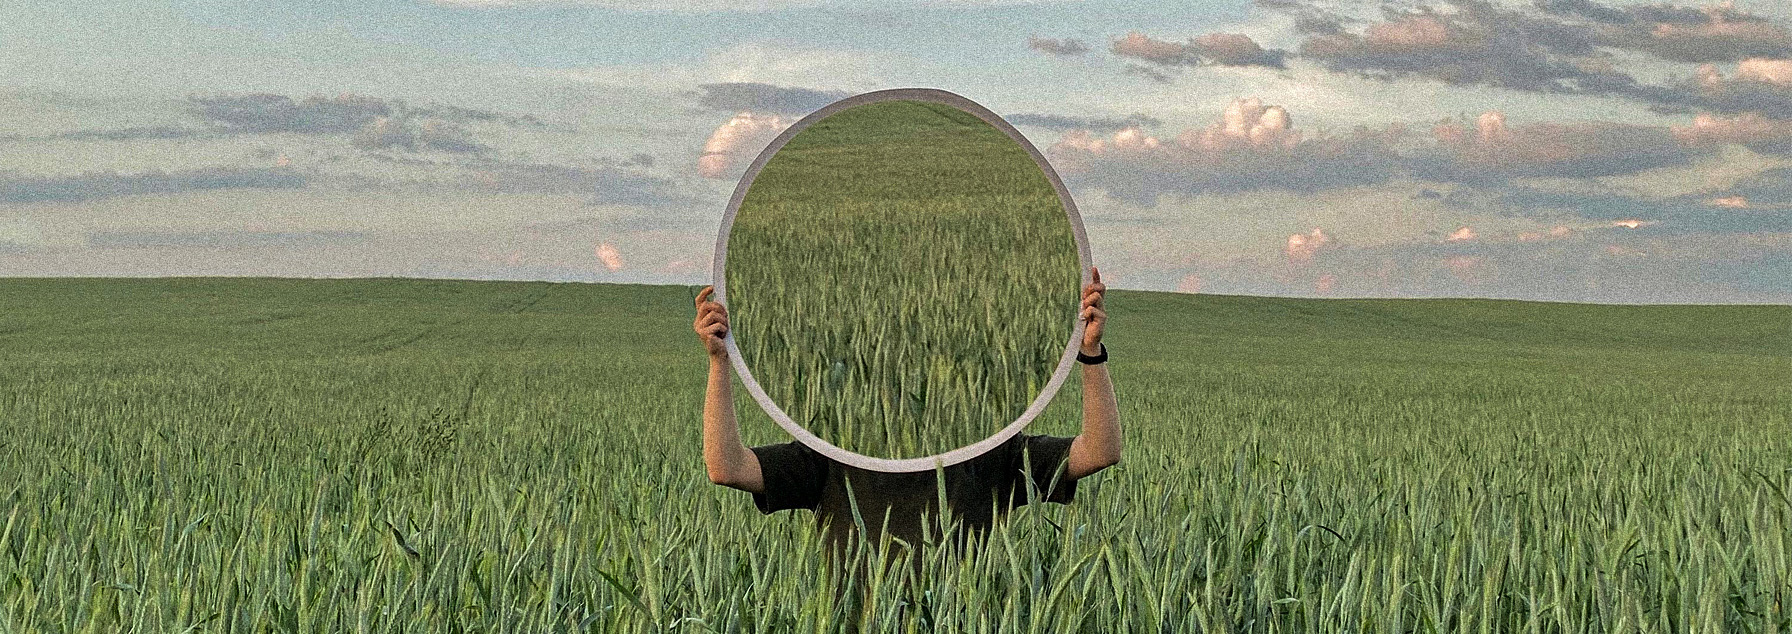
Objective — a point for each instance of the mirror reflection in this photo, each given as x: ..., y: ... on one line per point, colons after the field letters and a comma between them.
x: 902, y: 279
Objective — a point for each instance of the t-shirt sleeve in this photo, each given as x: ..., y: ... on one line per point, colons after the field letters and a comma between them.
x: 1044, y: 460
x: 793, y: 475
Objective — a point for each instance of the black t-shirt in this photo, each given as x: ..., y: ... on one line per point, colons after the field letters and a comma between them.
x: 977, y: 490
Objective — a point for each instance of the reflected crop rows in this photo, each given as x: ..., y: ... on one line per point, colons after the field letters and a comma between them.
x: 902, y: 279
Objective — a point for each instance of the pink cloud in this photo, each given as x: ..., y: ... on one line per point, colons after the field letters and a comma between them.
x: 1732, y: 202
x: 1225, y: 49
x: 1144, y: 47
x: 1245, y: 123
x: 1408, y: 35
x: 1325, y: 283
x: 608, y: 254
x: 1302, y: 247
x: 1772, y: 71
x: 1461, y: 234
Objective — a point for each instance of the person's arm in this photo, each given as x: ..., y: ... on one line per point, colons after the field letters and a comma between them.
x: 1098, y: 446
x: 729, y: 461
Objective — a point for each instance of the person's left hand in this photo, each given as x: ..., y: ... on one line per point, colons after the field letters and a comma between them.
x: 1093, y: 314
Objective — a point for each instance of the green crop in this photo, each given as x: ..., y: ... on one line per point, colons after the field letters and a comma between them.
x: 902, y: 279
x: 241, y: 455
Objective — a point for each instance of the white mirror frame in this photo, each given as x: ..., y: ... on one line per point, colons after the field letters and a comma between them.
x: 961, y: 454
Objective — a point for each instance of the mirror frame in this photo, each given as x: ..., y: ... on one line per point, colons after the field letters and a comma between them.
x: 955, y: 456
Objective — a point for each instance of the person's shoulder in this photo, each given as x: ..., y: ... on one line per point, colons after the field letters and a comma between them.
x: 787, y: 451
x: 1023, y: 442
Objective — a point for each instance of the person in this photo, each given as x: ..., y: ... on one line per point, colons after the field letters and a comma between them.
x: 791, y: 475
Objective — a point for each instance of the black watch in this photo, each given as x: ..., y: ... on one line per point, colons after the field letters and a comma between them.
x: 1088, y: 360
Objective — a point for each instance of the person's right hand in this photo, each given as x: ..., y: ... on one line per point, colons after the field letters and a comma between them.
x: 712, y: 323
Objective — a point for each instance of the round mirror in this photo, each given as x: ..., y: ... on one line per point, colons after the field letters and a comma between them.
x: 903, y: 276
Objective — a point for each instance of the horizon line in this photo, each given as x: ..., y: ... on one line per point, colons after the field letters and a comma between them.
x: 4, y: 278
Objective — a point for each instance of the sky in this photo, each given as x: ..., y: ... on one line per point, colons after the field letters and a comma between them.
x: 1556, y: 150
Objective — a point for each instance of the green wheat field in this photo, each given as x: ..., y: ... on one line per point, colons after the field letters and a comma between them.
x: 254, y: 455
x: 902, y: 279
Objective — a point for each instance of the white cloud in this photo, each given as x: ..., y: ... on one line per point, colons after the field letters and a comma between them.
x: 1253, y: 146
x: 735, y: 143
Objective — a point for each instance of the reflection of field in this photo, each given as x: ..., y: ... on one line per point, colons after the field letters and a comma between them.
x: 175, y: 450
x: 902, y: 279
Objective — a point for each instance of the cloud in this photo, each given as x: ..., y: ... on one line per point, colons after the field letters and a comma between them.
x: 374, y: 123
x: 1253, y: 146
x: 703, y: 6
x: 1716, y: 33
x: 734, y: 144
x: 115, y: 134
x: 1750, y: 130
x: 388, y: 133
x: 1224, y: 49
x: 1140, y: 46
x: 1062, y: 48
x: 606, y: 182
x: 1650, y: 267
x: 15, y: 188
x: 603, y: 185
x: 1062, y: 123
x: 217, y: 239
x: 1760, y: 85
x: 1460, y: 234
x: 1477, y: 44
x: 1302, y: 247
x: 1147, y: 72
x: 1585, y: 9
x: 470, y: 115
x: 1772, y: 71
x: 611, y: 258
x: 1309, y: 19
x: 266, y: 113
x: 643, y: 6
x: 1492, y: 152
x: 1768, y: 208
x: 765, y: 98
x: 1564, y: 46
